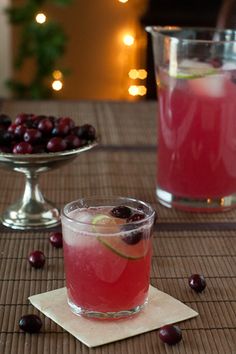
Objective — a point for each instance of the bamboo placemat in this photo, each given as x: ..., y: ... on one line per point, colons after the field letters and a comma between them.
x: 183, y: 243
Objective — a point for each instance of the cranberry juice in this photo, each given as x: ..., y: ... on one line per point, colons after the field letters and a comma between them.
x: 197, y: 133
x: 107, y: 262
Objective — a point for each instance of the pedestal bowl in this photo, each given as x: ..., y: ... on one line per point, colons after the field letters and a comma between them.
x: 32, y: 210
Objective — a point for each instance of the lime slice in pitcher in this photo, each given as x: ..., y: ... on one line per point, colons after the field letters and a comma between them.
x: 192, y: 69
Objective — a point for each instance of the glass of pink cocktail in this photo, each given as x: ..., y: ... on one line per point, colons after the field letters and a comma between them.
x: 107, y: 255
x: 196, y: 80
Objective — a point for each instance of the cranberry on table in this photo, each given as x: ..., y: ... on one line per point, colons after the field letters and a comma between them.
x: 36, y: 259
x: 197, y: 282
x: 30, y: 323
x: 170, y: 334
x: 121, y: 211
x: 22, y: 148
x: 56, y: 144
x: 55, y: 239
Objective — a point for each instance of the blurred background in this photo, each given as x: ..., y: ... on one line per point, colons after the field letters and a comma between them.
x: 74, y: 49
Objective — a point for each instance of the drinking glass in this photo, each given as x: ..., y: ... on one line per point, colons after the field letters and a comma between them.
x: 196, y: 82
x: 107, y: 256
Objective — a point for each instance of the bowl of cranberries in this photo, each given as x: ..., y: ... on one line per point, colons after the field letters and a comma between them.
x: 32, y: 144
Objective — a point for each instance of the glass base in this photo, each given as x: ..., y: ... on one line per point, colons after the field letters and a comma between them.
x: 210, y: 205
x: 32, y: 215
x: 80, y: 311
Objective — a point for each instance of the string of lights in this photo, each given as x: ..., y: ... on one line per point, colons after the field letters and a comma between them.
x: 134, y: 74
x: 57, y: 82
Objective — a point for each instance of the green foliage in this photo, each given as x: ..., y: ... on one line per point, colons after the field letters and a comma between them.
x: 44, y: 44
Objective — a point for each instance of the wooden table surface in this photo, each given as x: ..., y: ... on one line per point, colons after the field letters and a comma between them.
x: 184, y: 243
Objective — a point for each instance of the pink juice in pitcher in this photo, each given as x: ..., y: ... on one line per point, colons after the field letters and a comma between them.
x: 107, y: 260
x: 197, y: 130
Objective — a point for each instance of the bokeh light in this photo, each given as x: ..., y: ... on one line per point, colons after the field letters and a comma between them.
x: 40, y: 18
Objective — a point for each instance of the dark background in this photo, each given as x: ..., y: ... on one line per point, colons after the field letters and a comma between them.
x: 199, y: 13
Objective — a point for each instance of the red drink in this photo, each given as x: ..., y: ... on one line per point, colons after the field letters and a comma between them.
x: 197, y: 131
x: 107, y: 261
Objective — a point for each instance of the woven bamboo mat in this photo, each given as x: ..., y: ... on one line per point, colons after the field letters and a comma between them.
x: 183, y: 243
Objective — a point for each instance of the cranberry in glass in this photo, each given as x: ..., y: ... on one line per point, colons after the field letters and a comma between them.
x: 22, y: 148
x: 121, y: 211
x: 30, y: 323
x: 132, y: 237
x: 197, y: 282
x: 55, y: 239
x: 36, y: 259
x: 170, y: 334
x: 136, y: 217
x: 56, y: 144
x: 45, y: 126
x: 32, y: 136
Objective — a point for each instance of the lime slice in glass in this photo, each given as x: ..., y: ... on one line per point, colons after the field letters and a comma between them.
x: 116, y: 245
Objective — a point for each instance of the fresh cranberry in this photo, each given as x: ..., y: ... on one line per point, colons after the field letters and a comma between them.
x: 20, y: 130
x: 56, y: 144
x: 170, y: 334
x: 56, y: 239
x: 121, y: 211
x: 6, y: 138
x: 86, y: 131
x: 12, y: 128
x: 22, y: 148
x: 132, y: 237
x: 5, y: 120
x: 45, y: 126
x: 32, y: 136
x: 30, y: 323
x: 61, y: 129
x: 22, y: 118
x: 39, y: 149
x: 5, y: 149
x: 197, y: 282
x: 68, y: 121
x: 215, y: 62
x: 72, y: 141
x: 136, y: 217
x: 36, y: 259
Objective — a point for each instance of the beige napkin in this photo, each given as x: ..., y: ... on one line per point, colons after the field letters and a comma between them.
x: 161, y: 309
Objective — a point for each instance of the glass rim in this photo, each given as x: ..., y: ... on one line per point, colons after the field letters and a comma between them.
x: 110, y: 198
x: 165, y: 31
